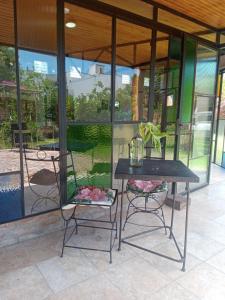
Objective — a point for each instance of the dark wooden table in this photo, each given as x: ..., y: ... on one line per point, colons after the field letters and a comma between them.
x: 165, y: 170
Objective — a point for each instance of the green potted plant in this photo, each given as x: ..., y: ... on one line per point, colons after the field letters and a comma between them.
x: 146, y: 132
x: 151, y: 132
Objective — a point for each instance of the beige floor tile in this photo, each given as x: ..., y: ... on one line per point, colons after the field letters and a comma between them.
x: 97, y: 288
x: 202, y: 247
x: 221, y: 220
x: 24, y: 284
x: 147, y: 240
x: 170, y: 269
x: 101, y: 260
x: 61, y: 273
x: 13, y: 257
x: 218, y: 261
x: 29, y: 252
x: 173, y: 292
x: 205, y: 282
x: 137, y: 277
x: 211, y: 230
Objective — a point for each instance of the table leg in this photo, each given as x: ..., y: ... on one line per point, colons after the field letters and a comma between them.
x: 173, y: 207
x: 121, y: 215
x: 186, y: 227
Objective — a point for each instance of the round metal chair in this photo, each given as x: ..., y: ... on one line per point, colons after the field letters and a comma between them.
x: 146, y: 196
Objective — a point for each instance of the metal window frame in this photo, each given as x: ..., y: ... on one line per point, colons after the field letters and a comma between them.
x: 115, y: 13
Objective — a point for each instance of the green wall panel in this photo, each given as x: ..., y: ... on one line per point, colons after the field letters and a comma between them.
x: 173, y: 77
x: 188, y: 80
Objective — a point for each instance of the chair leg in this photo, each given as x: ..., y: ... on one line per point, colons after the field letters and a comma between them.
x: 110, y: 252
x: 127, y: 214
x: 116, y: 231
x: 75, y: 220
x: 164, y: 222
x: 64, y: 237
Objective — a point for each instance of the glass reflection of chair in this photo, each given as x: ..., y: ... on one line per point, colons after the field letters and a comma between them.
x: 90, y: 197
x: 146, y: 197
x: 38, y: 175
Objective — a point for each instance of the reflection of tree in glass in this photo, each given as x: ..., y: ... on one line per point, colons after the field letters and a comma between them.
x: 94, y: 106
x: 7, y: 63
x: 8, y: 108
x: 38, y: 94
x: 123, y: 96
x: 40, y: 105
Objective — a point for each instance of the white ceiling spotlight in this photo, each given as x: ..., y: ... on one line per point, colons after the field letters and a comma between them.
x: 70, y: 24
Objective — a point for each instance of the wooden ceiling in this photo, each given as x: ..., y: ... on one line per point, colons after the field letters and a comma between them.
x: 91, y: 39
x: 210, y: 12
x: 6, y: 22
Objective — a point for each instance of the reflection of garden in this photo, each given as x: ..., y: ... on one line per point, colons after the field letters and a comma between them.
x: 38, y: 94
x: 91, y: 145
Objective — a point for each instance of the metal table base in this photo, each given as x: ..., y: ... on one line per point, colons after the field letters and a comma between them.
x: 182, y: 252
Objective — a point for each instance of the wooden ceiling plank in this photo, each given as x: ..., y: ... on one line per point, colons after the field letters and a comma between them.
x: 181, y: 14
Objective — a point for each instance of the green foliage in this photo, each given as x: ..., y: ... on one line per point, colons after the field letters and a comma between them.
x: 123, y: 96
x: 7, y: 63
x: 94, y: 106
x: 150, y: 132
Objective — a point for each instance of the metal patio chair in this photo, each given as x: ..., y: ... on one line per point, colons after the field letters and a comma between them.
x: 37, y: 164
x: 85, y: 196
x: 146, y: 196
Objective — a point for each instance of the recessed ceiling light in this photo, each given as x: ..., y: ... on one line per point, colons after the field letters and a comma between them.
x: 66, y: 10
x: 71, y: 24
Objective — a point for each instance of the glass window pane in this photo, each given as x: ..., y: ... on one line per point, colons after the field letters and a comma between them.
x: 11, y: 205
x: 170, y: 141
x: 91, y: 146
x: 9, y: 129
x: 88, y: 65
x: 39, y: 97
x: 173, y: 79
x: 199, y: 166
x: 39, y: 102
x: 132, y: 72
x: 122, y: 135
x: 203, y: 112
x: 220, y: 140
x: 221, y: 125
x: 205, y: 70
x: 9, y: 134
x: 161, y: 75
x: 222, y: 38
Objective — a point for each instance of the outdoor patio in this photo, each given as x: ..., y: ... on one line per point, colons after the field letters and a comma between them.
x: 108, y: 109
x: 34, y: 270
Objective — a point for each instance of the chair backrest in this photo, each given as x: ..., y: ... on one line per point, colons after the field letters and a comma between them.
x: 64, y: 163
x: 38, y: 164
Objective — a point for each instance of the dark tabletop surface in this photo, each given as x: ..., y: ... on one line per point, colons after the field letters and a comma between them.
x: 166, y: 170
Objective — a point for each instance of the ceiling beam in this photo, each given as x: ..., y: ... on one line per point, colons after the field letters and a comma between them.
x: 180, y: 14
x: 118, y: 45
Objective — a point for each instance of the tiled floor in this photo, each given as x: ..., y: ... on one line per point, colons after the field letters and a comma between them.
x: 34, y: 270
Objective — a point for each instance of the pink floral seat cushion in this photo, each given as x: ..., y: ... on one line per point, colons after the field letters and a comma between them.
x: 94, y: 195
x: 146, y: 186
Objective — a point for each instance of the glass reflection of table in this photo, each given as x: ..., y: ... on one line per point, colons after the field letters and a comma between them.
x: 165, y: 170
